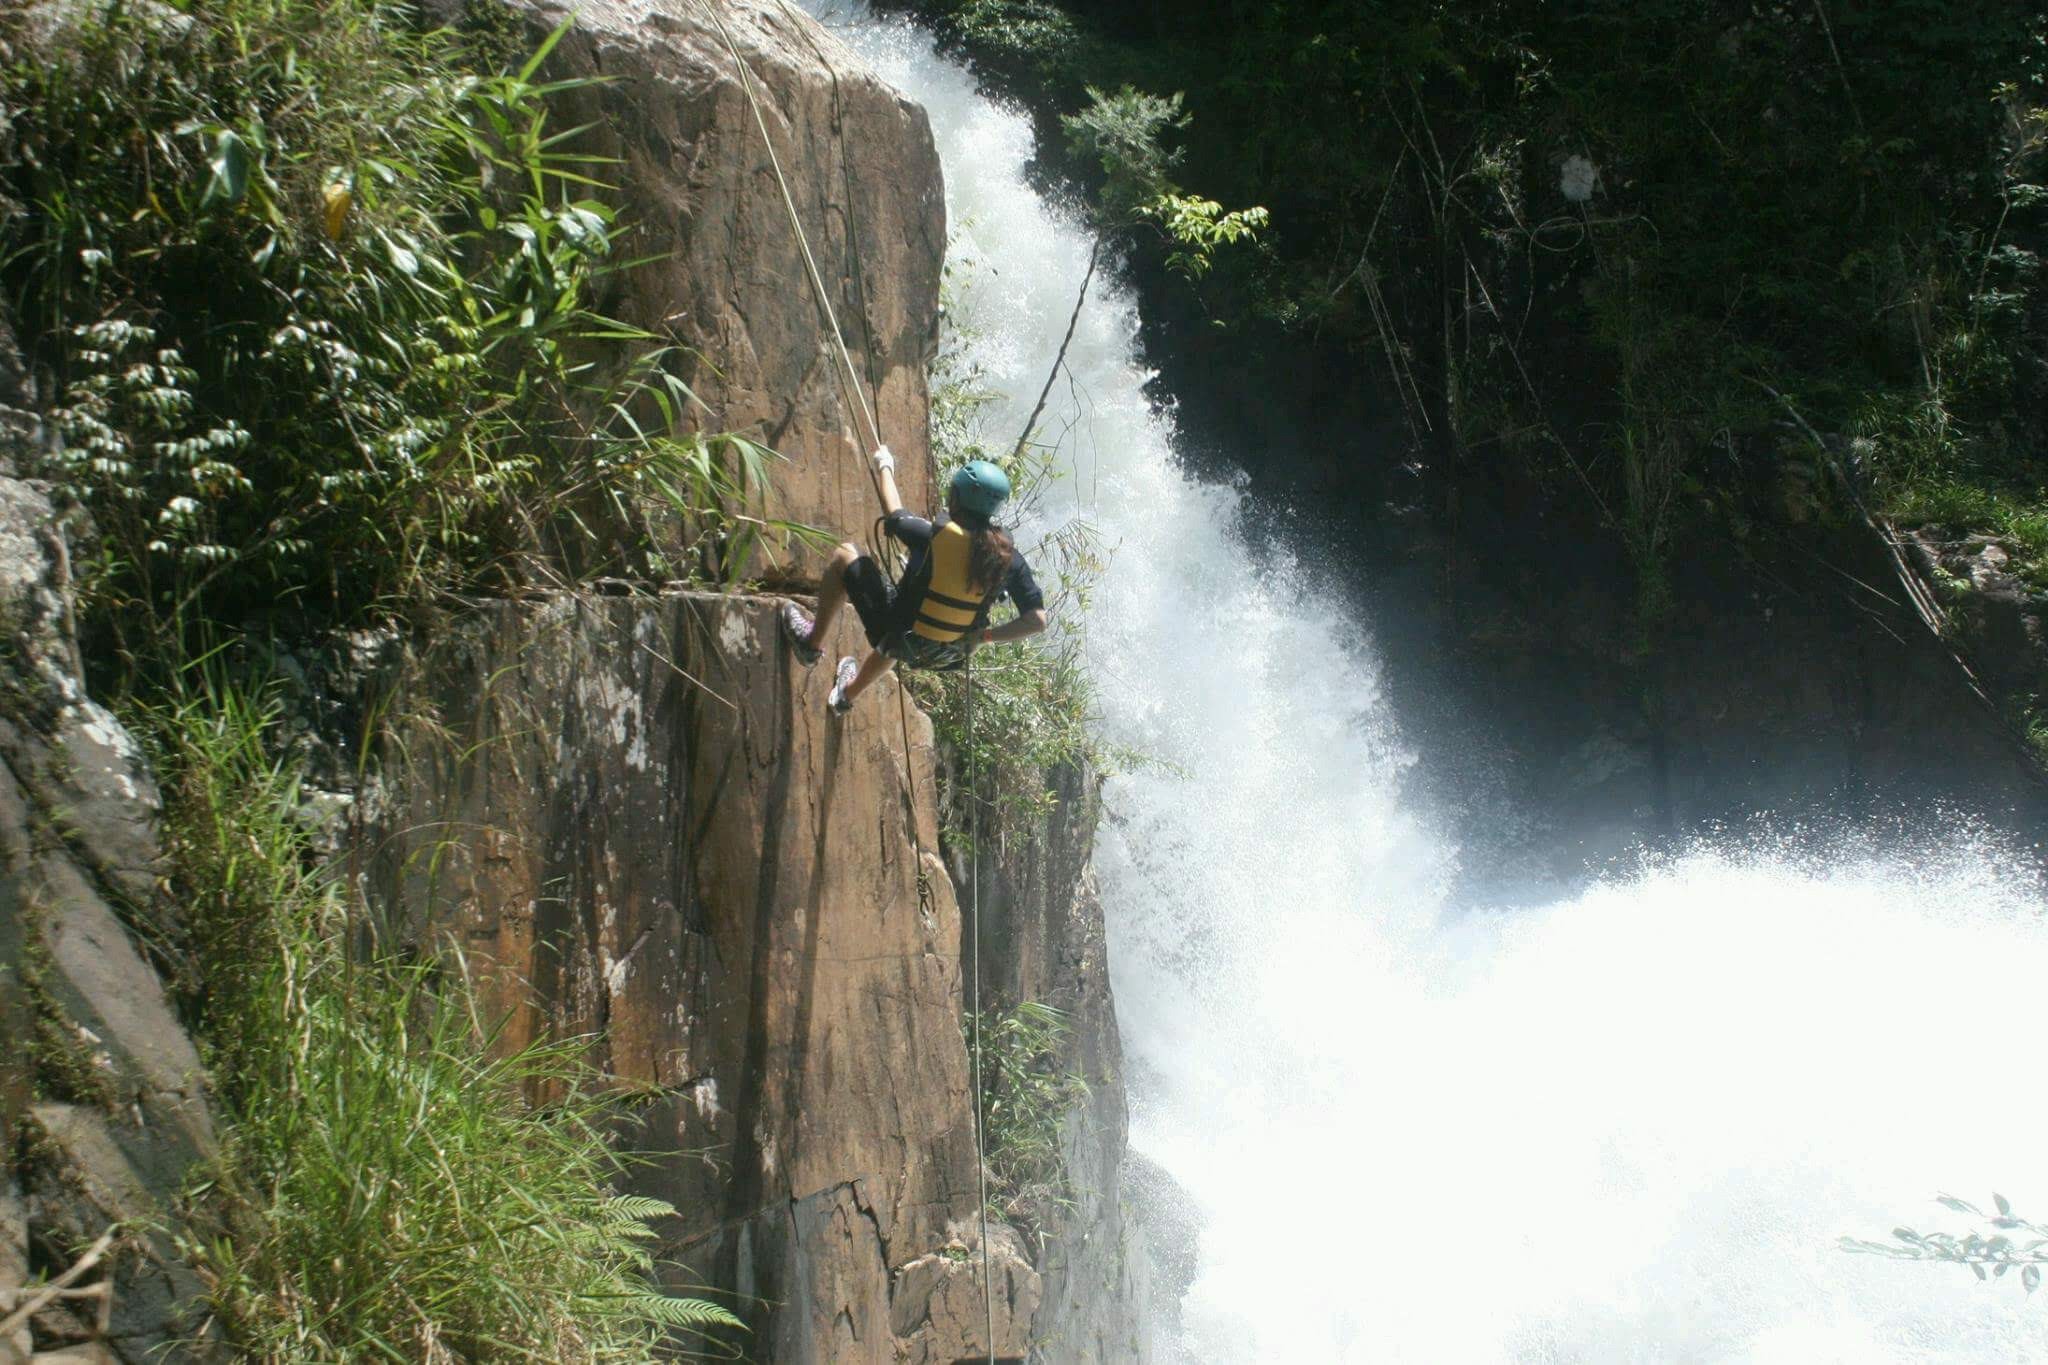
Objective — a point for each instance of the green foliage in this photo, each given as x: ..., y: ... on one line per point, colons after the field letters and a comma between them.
x: 2014, y: 1243
x: 395, y: 1182
x: 1030, y: 722
x: 1028, y: 1092
x: 2020, y: 525
x: 1037, y: 36
x: 318, y: 301
x: 1198, y: 226
x: 1576, y: 236
x: 1124, y: 136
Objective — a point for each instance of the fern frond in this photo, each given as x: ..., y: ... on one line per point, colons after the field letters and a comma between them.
x: 634, y: 1208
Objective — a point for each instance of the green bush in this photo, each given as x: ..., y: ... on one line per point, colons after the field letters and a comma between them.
x: 393, y: 1182
x: 1027, y: 1093
x: 318, y: 296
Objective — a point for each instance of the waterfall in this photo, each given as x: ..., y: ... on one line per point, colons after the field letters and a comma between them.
x: 1627, y: 1126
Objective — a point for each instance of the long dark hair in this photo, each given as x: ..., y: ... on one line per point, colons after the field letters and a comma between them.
x: 989, y: 550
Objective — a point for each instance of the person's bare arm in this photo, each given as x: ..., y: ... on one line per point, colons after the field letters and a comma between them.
x: 1025, y: 624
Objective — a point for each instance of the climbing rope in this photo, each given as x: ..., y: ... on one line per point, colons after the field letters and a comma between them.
x: 857, y: 400
x: 856, y: 397
x: 988, y: 1307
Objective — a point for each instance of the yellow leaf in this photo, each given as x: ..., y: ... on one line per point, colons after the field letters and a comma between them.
x: 338, y: 199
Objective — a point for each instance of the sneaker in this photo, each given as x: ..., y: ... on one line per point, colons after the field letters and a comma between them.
x: 798, y: 626
x: 838, y: 701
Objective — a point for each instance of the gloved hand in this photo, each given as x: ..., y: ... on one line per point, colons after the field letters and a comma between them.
x: 884, y: 460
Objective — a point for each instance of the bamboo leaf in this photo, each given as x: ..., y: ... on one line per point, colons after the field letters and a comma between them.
x: 227, y: 170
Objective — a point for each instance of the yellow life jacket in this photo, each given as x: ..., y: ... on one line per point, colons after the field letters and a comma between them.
x: 950, y: 605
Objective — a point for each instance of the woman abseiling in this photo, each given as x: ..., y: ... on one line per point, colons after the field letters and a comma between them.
x: 961, y: 563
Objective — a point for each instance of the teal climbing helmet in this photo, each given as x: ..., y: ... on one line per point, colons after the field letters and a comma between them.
x: 979, y: 488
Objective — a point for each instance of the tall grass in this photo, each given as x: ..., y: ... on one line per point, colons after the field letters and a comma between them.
x: 392, y: 1184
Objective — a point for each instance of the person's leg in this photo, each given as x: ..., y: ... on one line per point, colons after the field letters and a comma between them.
x: 874, y: 666
x: 832, y: 589
x: 851, y: 679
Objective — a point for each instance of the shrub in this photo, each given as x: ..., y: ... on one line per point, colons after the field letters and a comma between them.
x: 318, y: 298
x: 392, y: 1185
x: 1027, y: 1092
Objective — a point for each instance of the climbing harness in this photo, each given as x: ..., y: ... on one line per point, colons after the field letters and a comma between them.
x: 857, y: 401
x: 947, y: 606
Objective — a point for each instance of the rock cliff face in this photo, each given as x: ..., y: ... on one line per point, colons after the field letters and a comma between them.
x: 103, y: 1108
x: 637, y: 819
x: 727, y: 281
x: 102, y: 1103
x: 1043, y: 940
x: 630, y: 816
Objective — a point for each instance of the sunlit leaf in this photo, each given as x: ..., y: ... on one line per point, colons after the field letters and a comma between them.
x: 336, y: 199
x: 227, y: 170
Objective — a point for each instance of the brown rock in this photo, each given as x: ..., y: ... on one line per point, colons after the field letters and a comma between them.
x: 1043, y: 940
x: 940, y: 1315
x: 729, y: 283
x: 637, y: 819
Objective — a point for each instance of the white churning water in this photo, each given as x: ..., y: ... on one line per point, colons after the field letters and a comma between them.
x: 1628, y: 1126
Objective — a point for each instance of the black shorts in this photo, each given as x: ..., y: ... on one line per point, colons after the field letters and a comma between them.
x: 873, y: 597
x: 874, y: 601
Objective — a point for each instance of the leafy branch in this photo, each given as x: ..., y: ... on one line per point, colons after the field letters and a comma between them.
x: 1124, y: 134
x: 1988, y: 1257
